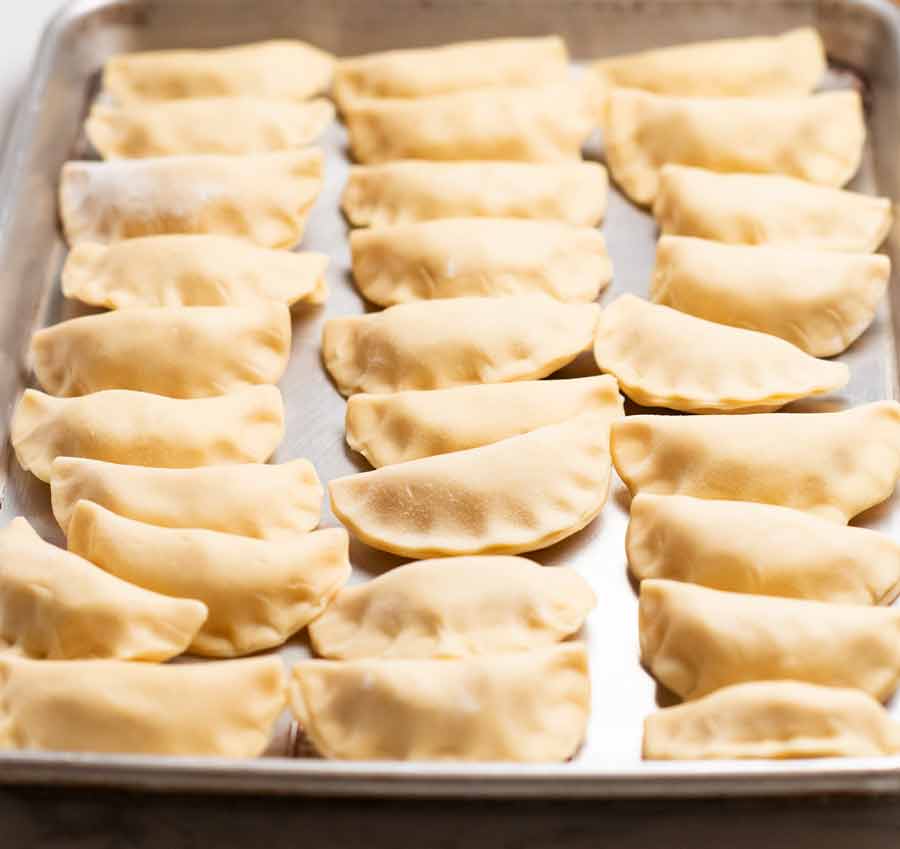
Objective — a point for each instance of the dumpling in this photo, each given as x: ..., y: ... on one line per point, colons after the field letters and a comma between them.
x: 746, y: 547
x: 265, y: 198
x: 546, y: 123
x: 452, y: 67
x: 695, y: 640
x: 191, y: 271
x: 224, y: 709
x: 259, y: 592
x: 758, y: 209
x: 519, y: 494
x: 120, y: 426
x: 818, y: 139
x: 834, y: 465
x: 454, y: 607
x: 772, y: 719
x: 455, y: 341
x: 403, y: 192
x: 281, y: 69
x: 401, y: 426
x: 182, y: 352
x: 820, y: 301
x: 56, y: 605
x: 459, y: 257
x: 267, y: 501
x: 528, y: 706
x: 662, y: 358
x: 781, y: 66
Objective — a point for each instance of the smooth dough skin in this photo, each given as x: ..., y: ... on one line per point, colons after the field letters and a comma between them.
x: 772, y: 719
x: 519, y: 494
x: 696, y: 640
x: 757, y: 209
x: 834, y: 465
x: 141, y: 429
x: 745, y: 547
x: 400, y: 426
x: 403, y: 192
x: 224, y: 709
x: 181, y: 352
x: 191, y: 271
x: 262, y: 500
x: 782, y: 66
x: 661, y: 358
x: 527, y: 706
x: 458, y: 257
x: 454, y: 607
x: 454, y: 342
x: 55, y: 605
x: 820, y: 301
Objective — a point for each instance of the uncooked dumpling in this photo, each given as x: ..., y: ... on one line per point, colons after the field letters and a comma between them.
x: 224, y: 709
x: 695, y: 640
x: 832, y: 464
x: 818, y: 139
x: 265, y: 198
x: 120, y: 426
x: 190, y: 271
x: 401, y: 426
x: 519, y: 494
x: 454, y: 607
x: 758, y: 209
x: 56, y: 605
x: 661, y: 358
x: 182, y: 352
x: 746, y: 547
x: 528, y: 706
x: 259, y: 592
x: 403, y: 192
x: 781, y: 66
x: 268, y: 501
x: 459, y: 257
x: 772, y: 719
x: 820, y: 301
x: 455, y: 341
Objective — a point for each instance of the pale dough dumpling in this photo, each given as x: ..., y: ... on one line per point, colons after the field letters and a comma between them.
x: 224, y: 709
x: 401, y: 426
x: 267, y: 501
x: 519, y: 494
x: 818, y: 139
x: 142, y: 429
x: 832, y: 464
x: 528, y: 706
x: 662, y: 358
x: 181, y: 352
x: 746, y: 547
x: 695, y: 640
x: 547, y: 123
x: 495, y: 257
x: 758, y: 209
x: 402, y: 192
x: 55, y: 605
x: 191, y: 271
x: 456, y: 341
x: 781, y: 66
x: 265, y: 198
x: 454, y: 607
x: 281, y: 69
x: 820, y: 301
x: 259, y: 592
x: 772, y: 719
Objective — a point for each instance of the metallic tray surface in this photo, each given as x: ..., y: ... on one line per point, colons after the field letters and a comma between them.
x: 863, y: 42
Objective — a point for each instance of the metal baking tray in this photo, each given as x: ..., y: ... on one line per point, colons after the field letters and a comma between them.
x: 863, y: 42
